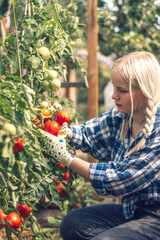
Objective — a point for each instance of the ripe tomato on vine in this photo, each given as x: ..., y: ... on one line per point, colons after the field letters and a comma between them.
x: 66, y: 176
x: 45, y: 113
x: 36, y: 122
x: 52, y: 127
x: 24, y: 210
x: 63, y: 116
x: 18, y: 146
x: 60, y: 165
x: 13, y: 220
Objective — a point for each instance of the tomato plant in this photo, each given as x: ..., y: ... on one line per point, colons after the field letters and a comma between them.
x: 41, y: 43
x: 52, y: 127
x: 62, y: 117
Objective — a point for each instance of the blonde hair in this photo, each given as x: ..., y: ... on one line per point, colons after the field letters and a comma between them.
x: 142, y: 70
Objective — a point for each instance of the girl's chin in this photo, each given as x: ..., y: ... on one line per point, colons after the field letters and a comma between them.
x: 124, y: 112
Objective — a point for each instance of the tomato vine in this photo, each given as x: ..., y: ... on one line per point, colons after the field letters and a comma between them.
x: 27, y: 174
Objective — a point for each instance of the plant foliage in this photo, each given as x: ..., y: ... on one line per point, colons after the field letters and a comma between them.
x: 27, y: 175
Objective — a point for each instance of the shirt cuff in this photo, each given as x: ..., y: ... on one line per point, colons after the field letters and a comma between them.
x: 77, y: 137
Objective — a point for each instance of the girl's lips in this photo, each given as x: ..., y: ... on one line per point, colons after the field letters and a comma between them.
x: 118, y: 105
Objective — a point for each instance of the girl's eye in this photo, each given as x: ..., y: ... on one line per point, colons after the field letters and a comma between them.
x: 123, y: 91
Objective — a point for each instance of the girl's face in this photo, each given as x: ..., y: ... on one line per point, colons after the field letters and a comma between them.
x: 122, y: 97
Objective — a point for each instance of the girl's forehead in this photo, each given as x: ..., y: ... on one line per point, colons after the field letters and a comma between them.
x: 117, y: 79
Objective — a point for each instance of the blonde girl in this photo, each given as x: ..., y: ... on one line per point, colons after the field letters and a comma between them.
x: 126, y: 141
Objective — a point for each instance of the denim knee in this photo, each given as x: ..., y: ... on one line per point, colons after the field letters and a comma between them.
x: 73, y: 226
x: 67, y: 227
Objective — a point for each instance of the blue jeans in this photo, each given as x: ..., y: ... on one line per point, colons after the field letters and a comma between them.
x: 106, y: 222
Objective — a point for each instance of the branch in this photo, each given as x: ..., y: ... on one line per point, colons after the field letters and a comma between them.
x: 17, y: 42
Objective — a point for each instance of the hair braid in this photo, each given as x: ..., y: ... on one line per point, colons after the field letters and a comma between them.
x: 148, y: 127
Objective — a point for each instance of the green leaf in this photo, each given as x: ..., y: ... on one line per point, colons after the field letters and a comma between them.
x: 9, y: 75
x: 60, y: 46
x: 54, y: 194
x: 54, y: 221
x: 37, y: 165
x: 35, y: 61
x: 29, y: 35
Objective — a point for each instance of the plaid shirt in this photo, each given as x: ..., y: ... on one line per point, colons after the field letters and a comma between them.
x: 135, y: 177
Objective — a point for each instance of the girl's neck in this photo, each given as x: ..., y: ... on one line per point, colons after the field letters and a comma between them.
x: 137, y: 126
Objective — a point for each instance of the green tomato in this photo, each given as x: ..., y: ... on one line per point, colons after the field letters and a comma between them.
x: 72, y: 43
x: 45, y: 75
x: 45, y: 84
x: 10, y: 128
x: 52, y: 74
x: 55, y: 85
x: 57, y: 106
x: 44, y: 52
x: 44, y: 104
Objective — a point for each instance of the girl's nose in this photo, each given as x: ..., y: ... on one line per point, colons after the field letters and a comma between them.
x: 115, y: 95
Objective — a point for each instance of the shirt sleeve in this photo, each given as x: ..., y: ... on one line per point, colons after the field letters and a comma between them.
x: 93, y: 137
x: 131, y: 175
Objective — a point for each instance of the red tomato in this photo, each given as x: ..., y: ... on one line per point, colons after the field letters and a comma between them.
x: 75, y: 205
x: 52, y: 127
x: 55, y: 181
x: 61, y: 165
x: 45, y: 112
x: 62, y: 117
x: 37, y: 121
x: 18, y: 146
x: 66, y: 175
x: 2, y: 218
x: 13, y: 220
x: 24, y: 210
x: 60, y: 187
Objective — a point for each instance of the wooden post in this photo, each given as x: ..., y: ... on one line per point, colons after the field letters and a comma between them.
x: 92, y: 61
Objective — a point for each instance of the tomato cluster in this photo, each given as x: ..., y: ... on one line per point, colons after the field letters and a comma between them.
x: 60, y: 186
x: 50, y: 126
x: 52, y: 123
x: 50, y: 81
x: 13, y: 220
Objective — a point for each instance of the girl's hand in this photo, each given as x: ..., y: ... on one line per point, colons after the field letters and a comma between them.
x: 56, y: 147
